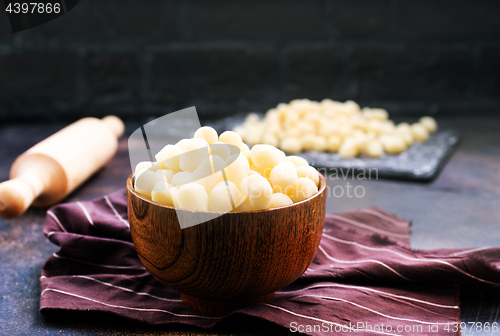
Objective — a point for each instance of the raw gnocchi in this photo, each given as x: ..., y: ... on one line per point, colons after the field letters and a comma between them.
x: 221, y: 174
x: 344, y: 128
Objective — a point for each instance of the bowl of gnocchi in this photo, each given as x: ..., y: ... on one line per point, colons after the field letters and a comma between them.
x: 224, y: 224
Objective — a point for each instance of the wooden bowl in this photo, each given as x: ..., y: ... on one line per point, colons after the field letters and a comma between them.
x: 232, y: 261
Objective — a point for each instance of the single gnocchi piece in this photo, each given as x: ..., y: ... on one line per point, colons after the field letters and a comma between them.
x: 207, y: 133
x: 258, y: 190
x: 403, y: 127
x: 180, y: 179
x: 237, y: 168
x: 266, y: 156
x: 407, y: 136
x: 181, y: 143
x: 162, y: 193
x: 249, y: 179
x: 279, y: 200
x: 195, y: 152
x: 146, y: 181
x: 375, y: 113
x: 309, y: 141
x: 144, y: 165
x: 254, y: 135
x: 231, y: 138
x: 333, y: 143
x: 375, y: 125
x: 252, y: 118
x: 175, y: 198
x: 429, y: 123
x: 393, y: 144
x: 270, y: 139
x: 193, y: 196
x: 310, y: 172
x: 283, y: 175
x: 419, y: 132
x: 209, y: 173
x: 240, y: 130
x: 291, y: 145
x: 139, y: 172
x: 170, y: 157
x: 321, y: 144
x: 244, y: 147
x: 224, y: 197
x: 244, y: 205
x: 220, y: 149
x: 167, y: 174
x: 374, y: 148
x: 297, y: 160
x: 302, y: 189
x: 349, y: 149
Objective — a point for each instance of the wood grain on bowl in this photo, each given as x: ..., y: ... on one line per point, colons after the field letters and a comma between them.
x: 231, y: 261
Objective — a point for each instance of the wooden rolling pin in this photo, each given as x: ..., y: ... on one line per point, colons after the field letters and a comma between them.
x: 50, y: 170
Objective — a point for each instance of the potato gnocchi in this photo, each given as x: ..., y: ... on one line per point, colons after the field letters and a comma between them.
x: 222, y: 174
x: 344, y: 128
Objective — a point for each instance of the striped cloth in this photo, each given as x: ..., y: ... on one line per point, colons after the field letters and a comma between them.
x: 364, y: 278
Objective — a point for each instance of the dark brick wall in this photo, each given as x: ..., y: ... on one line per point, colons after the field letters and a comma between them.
x: 145, y: 58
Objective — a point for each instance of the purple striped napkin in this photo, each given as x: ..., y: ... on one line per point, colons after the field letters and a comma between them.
x: 364, y: 278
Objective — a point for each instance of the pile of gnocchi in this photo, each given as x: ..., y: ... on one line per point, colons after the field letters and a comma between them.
x: 221, y: 174
x: 304, y: 125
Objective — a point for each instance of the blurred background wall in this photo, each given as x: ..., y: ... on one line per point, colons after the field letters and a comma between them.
x: 144, y: 58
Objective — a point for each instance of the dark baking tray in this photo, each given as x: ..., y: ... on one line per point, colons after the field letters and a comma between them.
x: 422, y: 162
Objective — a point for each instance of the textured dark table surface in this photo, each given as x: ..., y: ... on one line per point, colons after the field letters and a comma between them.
x: 461, y: 208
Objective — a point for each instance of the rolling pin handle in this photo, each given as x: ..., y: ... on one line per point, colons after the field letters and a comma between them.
x: 114, y: 124
x: 17, y: 194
